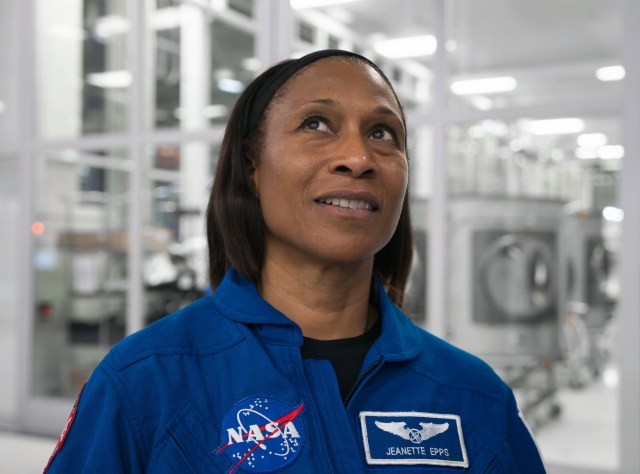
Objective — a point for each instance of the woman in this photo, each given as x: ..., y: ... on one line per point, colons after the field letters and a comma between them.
x: 301, y: 360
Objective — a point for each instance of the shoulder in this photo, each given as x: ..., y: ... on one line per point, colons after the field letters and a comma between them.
x: 454, y: 368
x: 198, y: 329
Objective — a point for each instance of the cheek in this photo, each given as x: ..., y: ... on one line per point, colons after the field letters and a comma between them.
x: 398, y: 177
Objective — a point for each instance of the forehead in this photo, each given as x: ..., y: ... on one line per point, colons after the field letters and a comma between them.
x: 336, y: 75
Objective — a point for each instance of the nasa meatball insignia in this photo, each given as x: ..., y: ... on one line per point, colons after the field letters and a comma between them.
x: 262, y: 434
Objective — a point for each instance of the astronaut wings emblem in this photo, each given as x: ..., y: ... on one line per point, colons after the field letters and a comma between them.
x: 417, y: 436
x: 413, y: 438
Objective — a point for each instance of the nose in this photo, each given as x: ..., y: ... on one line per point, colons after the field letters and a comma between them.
x: 353, y: 157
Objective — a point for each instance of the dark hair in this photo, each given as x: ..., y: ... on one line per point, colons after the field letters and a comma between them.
x: 235, y: 226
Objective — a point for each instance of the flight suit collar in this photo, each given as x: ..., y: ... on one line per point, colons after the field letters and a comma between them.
x: 239, y: 300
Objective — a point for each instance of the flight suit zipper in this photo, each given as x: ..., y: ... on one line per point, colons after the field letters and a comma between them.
x: 364, y: 374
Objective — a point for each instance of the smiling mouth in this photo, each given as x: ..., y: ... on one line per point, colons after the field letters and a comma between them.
x: 348, y: 203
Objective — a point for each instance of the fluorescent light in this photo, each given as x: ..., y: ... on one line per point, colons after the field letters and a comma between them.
x: 611, y: 152
x: 613, y: 214
x: 556, y: 126
x: 408, y: 47
x: 233, y: 86
x: 487, y: 85
x: 110, y: 79
x: 302, y: 4
x: 111, y: 25
x: 592, y: 139
x: 586, y: 153
x: 482, y: 103
x: 2, y: 107
x: 610, y: 377
x: 610, y: 73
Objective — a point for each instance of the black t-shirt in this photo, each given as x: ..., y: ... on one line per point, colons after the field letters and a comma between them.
x: 346, y: 355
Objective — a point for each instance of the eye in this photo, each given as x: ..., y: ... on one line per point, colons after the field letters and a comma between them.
x: 383, y: 132
x: 316, y: 122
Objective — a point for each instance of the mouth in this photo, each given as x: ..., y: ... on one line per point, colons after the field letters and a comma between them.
x: 348, y: 203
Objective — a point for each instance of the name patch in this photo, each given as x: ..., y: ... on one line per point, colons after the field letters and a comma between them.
x: 261, y: 434
x: 409, y: 437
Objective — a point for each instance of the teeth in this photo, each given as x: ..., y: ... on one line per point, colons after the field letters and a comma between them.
x: 347, y: 203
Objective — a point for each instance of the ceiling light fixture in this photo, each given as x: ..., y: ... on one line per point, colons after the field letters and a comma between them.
x: 592, y: 139
x: 407, y: 47
x: 233, y: 86
x: 614, y: 214
x: 302, y: 4
x: 111, y: 25
x: 611, y: 152
x: 110, y: 79
x: 611, y: 73
x: 482, y: 103
x: 586, y: 153
x: 489, y: 85
x: 556, y: 126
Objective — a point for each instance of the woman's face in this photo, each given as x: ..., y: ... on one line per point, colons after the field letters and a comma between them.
x: 333, y: 172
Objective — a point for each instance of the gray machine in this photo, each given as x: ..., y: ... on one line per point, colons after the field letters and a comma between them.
x: 585, y: 274
x: 585, y: 266
x: 503, y: 281
x: 503, y: 292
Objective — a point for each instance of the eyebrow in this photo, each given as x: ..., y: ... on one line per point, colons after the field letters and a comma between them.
x: 324, y: 102
x: 381, y: 109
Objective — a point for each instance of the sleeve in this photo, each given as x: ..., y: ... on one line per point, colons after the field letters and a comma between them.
x: 99, y: 435
x: 523, y: 447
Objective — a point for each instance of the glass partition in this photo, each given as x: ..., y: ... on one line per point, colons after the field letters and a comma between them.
x: 420, y: 143
x: 403, y: 48
x: 203, y: 58
x: 175, y: 263
x: 81, y: 241
x: 9, y: 281
x: 83, y: 74
x: 10, y: 50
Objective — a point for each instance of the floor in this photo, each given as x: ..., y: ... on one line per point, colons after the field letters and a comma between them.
x: 570, y: 444
x: 585, y: 435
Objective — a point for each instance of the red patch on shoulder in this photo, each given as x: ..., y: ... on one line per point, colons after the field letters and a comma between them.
x: 65, y: 431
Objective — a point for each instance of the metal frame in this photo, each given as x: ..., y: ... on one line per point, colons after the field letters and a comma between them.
x: 629, y: 331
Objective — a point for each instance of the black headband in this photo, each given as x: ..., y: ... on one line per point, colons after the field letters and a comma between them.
x: 275, y: 77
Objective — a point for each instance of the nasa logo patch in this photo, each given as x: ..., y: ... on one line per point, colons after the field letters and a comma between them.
x: 413, y: 438
x: 65, y: 431
x: 262, y: 434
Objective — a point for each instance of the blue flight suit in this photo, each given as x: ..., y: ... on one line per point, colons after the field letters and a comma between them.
x: 220, y: 386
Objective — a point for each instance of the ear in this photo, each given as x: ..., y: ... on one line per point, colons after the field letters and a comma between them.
x: 255, y: 176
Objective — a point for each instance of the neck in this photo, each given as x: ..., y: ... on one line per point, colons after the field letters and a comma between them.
x: 330, y: 302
